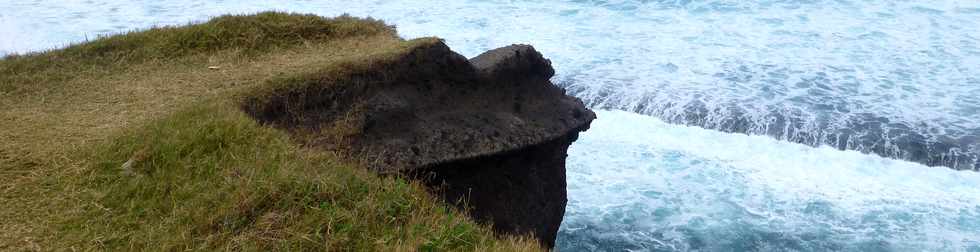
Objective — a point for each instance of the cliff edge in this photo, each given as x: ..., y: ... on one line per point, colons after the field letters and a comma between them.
x: 260, y: 131
x: 489, y: 134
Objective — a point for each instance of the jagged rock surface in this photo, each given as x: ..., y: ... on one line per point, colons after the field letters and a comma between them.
x: 490, y: 134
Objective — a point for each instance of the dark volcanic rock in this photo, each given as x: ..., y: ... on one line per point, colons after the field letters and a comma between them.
x: 490, y: 134
x: 521, y: 191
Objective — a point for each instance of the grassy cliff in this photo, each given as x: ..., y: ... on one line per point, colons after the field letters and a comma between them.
x: 137, y: 142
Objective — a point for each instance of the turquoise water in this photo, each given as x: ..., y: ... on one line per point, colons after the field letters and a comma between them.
x: 740, y: 110
x: 894, y: 78
x: 637, y: 183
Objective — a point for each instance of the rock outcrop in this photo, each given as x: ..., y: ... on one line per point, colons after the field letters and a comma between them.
x: 490, y: 134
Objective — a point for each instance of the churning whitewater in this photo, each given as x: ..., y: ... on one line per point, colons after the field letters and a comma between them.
x: 667, y: 187
x: 899, y: 79
x: 895, y: 78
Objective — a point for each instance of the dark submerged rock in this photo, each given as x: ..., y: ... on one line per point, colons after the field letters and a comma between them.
x: 490, y: 134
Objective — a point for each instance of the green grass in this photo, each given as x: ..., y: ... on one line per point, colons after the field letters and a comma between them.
x: 210, y: 177
x: 250, y: 35
x: 131, y: 142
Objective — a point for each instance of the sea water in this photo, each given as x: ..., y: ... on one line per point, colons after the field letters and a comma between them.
x: 637, y: 183
x: 741, y: 109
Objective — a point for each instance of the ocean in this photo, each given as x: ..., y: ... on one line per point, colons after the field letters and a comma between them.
x: 723, y: 125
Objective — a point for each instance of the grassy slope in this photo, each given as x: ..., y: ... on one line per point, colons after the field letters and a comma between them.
x: 131, y: 142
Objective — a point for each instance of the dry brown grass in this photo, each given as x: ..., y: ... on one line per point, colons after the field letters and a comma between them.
x: 69, y: 122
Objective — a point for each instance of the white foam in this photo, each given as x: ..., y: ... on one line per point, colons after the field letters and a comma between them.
x: 12, y: 38
x: 829, y: 66
x: 636, y: 182
x: 661, y: 186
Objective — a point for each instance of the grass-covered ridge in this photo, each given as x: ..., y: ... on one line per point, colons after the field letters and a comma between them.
x: 249, y: 35
x: 132, y: 142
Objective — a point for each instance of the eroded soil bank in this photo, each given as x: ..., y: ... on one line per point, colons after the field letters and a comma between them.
x: 489, y: 134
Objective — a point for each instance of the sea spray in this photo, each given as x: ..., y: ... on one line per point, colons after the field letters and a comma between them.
x: 652, y: 188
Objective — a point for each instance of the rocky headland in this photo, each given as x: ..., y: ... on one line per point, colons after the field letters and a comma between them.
x: 488, y: 134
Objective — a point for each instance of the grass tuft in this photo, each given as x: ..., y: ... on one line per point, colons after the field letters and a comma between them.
x: 249, y: 35
x: 209, y: 177
x: 131, y: 142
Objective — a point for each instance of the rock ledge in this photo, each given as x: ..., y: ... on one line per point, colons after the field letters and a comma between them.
x: 490, y: 134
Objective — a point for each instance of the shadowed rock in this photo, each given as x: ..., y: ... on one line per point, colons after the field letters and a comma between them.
x: 489, y: 134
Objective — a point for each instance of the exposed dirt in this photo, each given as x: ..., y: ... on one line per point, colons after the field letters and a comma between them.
x: 490, y: 133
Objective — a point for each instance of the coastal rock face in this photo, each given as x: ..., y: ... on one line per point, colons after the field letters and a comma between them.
x: 519, y: 191
x: 490, y: 134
